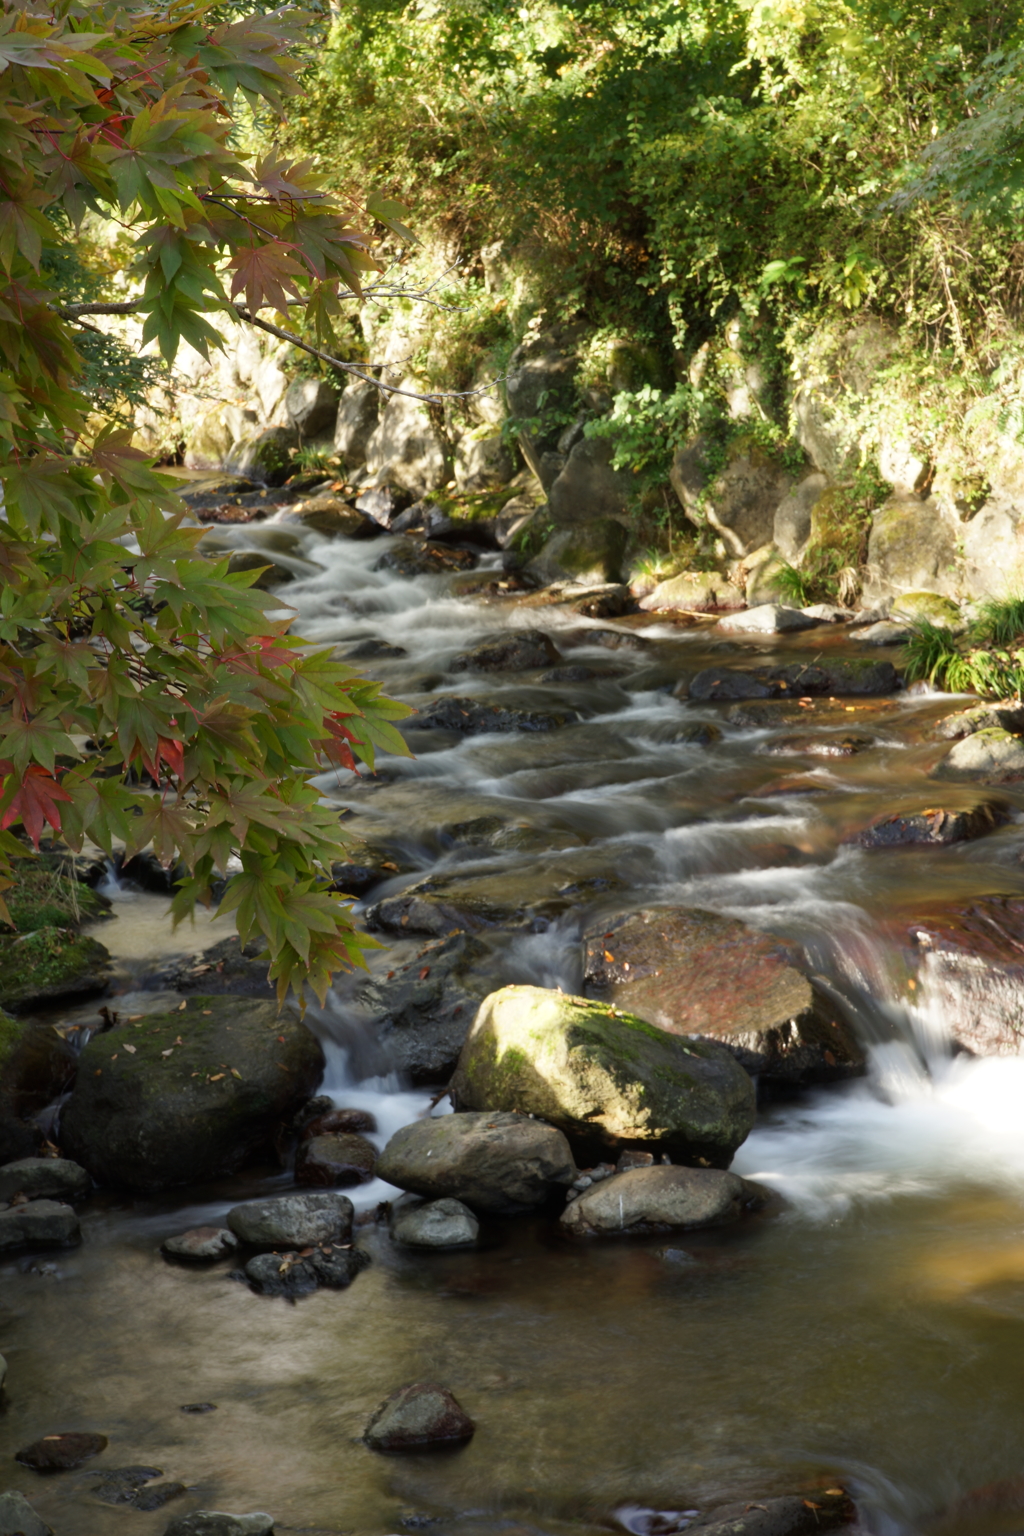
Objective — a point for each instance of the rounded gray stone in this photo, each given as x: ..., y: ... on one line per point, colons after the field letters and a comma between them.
x: 991, y: 755
x: 420, y: 1223
x: 200, y: 1244
x: 18, y: 1518
x: 40, y: 1224
x: 416, y: 1417
x: 48, y: 1177
x: 493, y: 1161
x: 293, y: 1221
x: 650, y: 1199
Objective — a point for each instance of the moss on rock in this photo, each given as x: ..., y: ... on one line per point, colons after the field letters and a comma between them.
x: 50, y: 964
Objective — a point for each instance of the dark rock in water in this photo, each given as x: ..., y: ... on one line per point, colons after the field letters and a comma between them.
x: 935, y: 827
x: 792, y: 1515
x: 39, y: 1224
x: 313, y: 1109
x: 702, y: 734
x: 342, y: 1120
x: 371, y: 650
x: 417, y: 1417
x: 48, y: 1177
x: 642, y: 1200
x: 717, y: 683
x: 995, y: 1509
x: 515, y: 650
x: 185, y: 1095
x: 854, y: 678
x: 569, y: 674
x: 420, y: 1016
x: 494, y: 1162
x: 198, y: 1408
x: 215, y: 1522
x: 611, y: 603
x: 697, y: 973
x: 200, y: 1244
x: 225, y: 969
x: 36, y: 1066
x: 120, y: 1485
x: 61, y: 1453
x: 472, y: 718
x: 603, y: 1076
x: 1002, y: 717
x: 50, y: 965
x: 300, y: 1274
x: 972, y: 972
x: 334, y: 1160
x: 817, y: 746
x: 18, y: 1518
x: 415, y: 557
x: 382, y: 504
x: 272, y: 574
x: 156, y: 1496
x: 292, y: 1221
x: 505, y: 899
x: 417, y: 1223
x: 607, y: 639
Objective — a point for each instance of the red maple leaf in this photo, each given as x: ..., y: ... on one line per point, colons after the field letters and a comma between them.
x: 172, y: 753
x: 34, y: 802
x: 335, y: 746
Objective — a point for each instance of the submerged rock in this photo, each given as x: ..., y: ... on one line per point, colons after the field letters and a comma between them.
x: 494, y: 1162
x: 200, y: 1244
x: 470, y: 717
x: 18, y: 1518
x: 791, y: 1515
x: 990, y: 756
x: 417, y: 1417
x: 48, y: 1177
x: 514, y: 650
x: 341, y: 1120
x: 214, y: 1522
x: 767, y: 619
x: 293, y: 1221
x: 652, y: 1199
x: 332, y: 518
x: 335, y: 1159
x: 697, y: 973
x: 936, y: 827
x: 61, y: 1453
x: 39, y: 1224
x: 127, y: 1485
x: 599, y: 1073
x: 831, y: 745
x: 330, y: 1267
x: 185, y: 1095
x: 420, y: 1223
x: 419, y: 557
x: 422, y: 1013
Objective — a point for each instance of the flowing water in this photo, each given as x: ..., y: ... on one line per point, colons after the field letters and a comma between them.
x: 873, y: 1332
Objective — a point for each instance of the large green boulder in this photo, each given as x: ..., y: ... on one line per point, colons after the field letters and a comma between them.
x: 186, y: 1095
x: 50, y: 965
x: 604, y: 1076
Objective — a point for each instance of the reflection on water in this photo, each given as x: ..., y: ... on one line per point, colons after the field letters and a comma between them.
x: 872, y: 1331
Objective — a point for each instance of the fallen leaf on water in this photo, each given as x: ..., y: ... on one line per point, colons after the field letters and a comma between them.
x: 168, y: 1051
x: 98, y: 1072
x: 130, y: 1049
x: 179, y: 1041
x: 424, y: 973
x: 389, y: 975
x: 390, y: 866
x: 114, y: 1057
x: 280, y: 1039
x: 215, y: 1078
x: 207, y: 1011
x: 235, y: 1073
x: 609, y: 956
x: 183, y: 1006
x: 133, y: 1018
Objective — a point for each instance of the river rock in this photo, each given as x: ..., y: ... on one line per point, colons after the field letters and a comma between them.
x: 49, y: 1177
x: 335, y: 1160
x: 1004, y: 717
x: 135, y: 1486
x: 693, y: 592
x: 417, y: 1223
x: 855, y: 677
x: 200, y: 1244
x: 936, y: 827
x: 652, y: 1199
x: 36, y: 1066
x: 39, y: 1224
x: 330, y: 1267
x: 885, y: 632
x: 768, y: 619
x: 347, y: 1120
x: 61, y: 1453
x: 599, y: 1073
x: 494, y: 1162
x: 272, y: 572
x: 989, y: 756
x: 214, y: 1522
x: 972, y: 972
x: 514, y: 650
x: 18, y: 1518
x: 832, y: 745
x: 588, y: 553
x: 692, y: 972
x: 292, y: 1221
x: 420, y: 1015
x: 331, y: 518
x: 50, y: 965
x: 791, y: 1515
x: 419, y: 557
x: 470, y: 717
x: 227, y: 968
x: 509, y: 898
x: 416, y: 1417
x: 198, y: 1091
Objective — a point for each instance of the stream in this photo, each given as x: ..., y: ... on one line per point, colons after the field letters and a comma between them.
x: 872, y: 1332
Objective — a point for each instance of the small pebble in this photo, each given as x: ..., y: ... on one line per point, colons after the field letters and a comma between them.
x: 201, y: 1407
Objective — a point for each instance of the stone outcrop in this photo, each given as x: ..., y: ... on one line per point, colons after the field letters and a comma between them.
x: 495, y: 1162
x: 740, y: 501
x: 604, y: 1076
x: 912, y: 546
x: 692, y: 972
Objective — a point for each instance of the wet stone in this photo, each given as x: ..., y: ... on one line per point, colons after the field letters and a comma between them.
x: 18, y: 1518
x: 817, y: 746
x: 198, y: 1408
x: 935, y: 827
x: 414, y: 557
x: 643, y: 1200
x: 990, y: 756
x: 215, y: 1522
x: 62, y: 1452
x: 988, y: 716
x: 120, y: 1485
x: 200, y: 1244
x: 157, y: 1495
x: 791, y: 1515
x: 350, y: 1120
x: 40, y: 1224
x: 417, y: 1417
x: 520, y: 650
x: 44, y: 1177
x: 498, y: 1162
x: 293, y: 1221
x: 767, y: 619
x: 472, y: 718
x: 300, y: 1274
x: 417, y: 1223
x: 334, y: 1160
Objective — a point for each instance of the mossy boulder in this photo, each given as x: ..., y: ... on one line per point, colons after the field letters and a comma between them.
x: 931, y: 606
x: 50, y: 965
x: 36, y: 1065
x: 989, y: 756
x: 46, y: 894
x: 602, y: 1075
x: 186, y: 1095
x: 590, y: 553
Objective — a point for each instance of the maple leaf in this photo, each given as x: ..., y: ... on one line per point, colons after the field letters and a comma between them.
x: 335, y: 745
x: 266, y: 274
x: 34, y: 802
